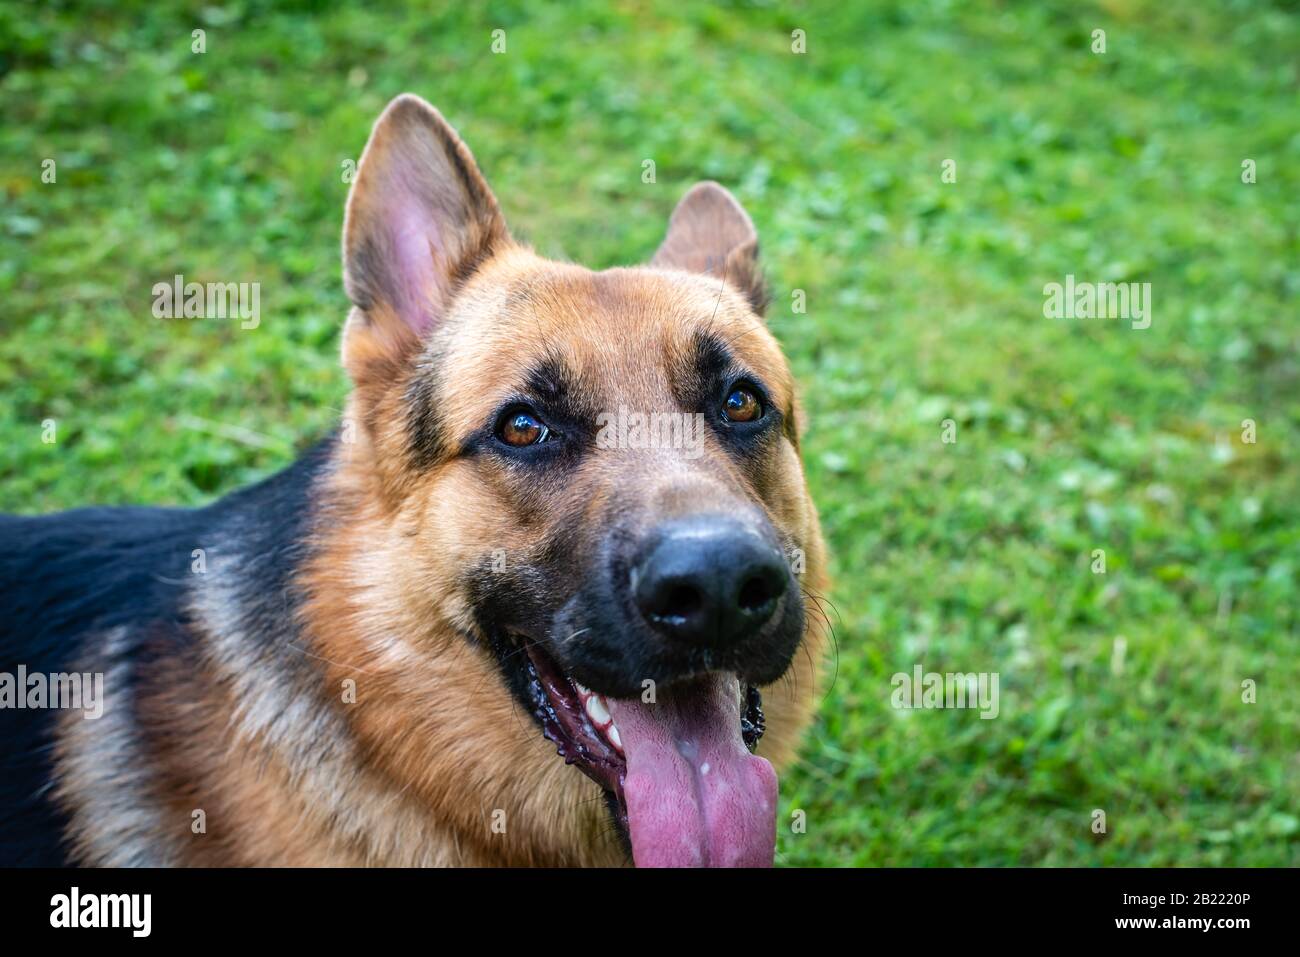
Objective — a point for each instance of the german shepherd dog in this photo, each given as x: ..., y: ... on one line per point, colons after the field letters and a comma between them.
x: 374, y: 656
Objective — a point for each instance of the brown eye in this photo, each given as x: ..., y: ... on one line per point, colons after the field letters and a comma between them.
x: 742, y: 406
x: 521, y: 427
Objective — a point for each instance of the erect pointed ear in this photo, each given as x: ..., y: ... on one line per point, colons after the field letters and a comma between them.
x: 420, y: 218
x: 710, y: 232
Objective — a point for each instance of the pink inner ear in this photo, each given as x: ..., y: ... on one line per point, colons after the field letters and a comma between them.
x: 414, y: 245
x: 417, y: 203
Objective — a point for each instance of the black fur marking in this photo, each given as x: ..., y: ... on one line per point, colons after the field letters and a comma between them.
x: 559, y: 392
x: 702, y: 385
x: 64, y: 579
x: 69, y: 578
x: 713, y: 363
x: 428, y: 443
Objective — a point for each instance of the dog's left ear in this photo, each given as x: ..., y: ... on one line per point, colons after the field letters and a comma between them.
x: 420, y: 218
x: 711, y: 233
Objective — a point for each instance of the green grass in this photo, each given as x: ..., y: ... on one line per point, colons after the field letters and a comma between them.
x: 924, y: 304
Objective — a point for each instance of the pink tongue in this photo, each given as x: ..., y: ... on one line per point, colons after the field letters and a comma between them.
x: 695, y: 796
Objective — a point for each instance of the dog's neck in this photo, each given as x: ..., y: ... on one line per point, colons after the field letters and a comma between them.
x: 317, y: 704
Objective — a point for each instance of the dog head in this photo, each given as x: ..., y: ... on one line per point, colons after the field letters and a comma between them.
x: 596, y: 476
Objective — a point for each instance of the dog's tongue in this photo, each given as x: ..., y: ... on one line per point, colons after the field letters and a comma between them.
x: 695, y: 796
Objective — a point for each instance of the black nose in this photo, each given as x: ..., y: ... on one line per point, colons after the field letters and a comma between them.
x: 712, y: 580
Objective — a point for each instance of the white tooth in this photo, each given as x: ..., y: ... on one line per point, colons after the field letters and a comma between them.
x: 583, y: 689
x: 612, y: 733
x: 596, y: 709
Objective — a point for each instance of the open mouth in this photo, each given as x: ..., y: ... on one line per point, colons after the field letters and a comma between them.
x: 676, y: 764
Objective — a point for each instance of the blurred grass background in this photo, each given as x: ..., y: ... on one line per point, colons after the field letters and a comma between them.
x: 924, y: 303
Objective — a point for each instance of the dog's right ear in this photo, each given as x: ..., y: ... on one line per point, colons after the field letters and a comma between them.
x: 420, y: 218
